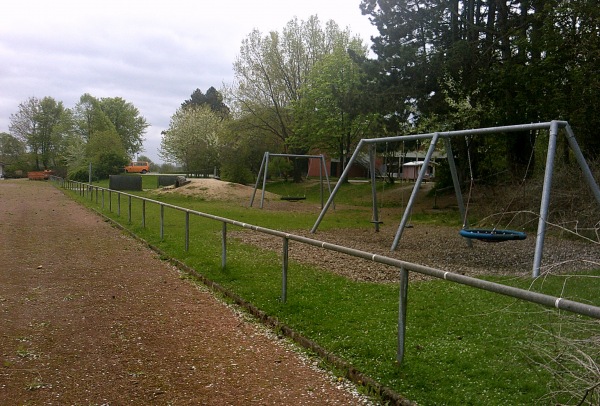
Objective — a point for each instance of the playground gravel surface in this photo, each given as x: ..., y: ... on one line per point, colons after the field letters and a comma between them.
x: 89, y: 316
x: 439, y: 247
x: 434, y: 246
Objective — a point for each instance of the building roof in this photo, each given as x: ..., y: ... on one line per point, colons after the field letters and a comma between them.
x: 418, y: 163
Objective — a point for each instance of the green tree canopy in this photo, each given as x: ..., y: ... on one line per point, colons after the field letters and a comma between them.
x: 89, y: 117
x: 212, y: 98
x: 332, y: 113
x: 271, y: 69
x: 193, y: 138
x: 42, y: 125
x: 11, y: 149
x: 127, y: 121
x: 516, y: 62
x: 12, y: 152
x: 106, y: 153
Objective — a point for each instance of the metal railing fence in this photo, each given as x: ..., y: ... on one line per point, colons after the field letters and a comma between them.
x: 98, y: 193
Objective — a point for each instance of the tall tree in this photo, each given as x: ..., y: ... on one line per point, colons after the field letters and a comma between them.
x: 12, y: 150
x: 212, y: 98
x: 192, y: 139
x: 127, y: 121
x: 518, y: 61
x: 106, y: 153
x: 42, y: 126
x: 332, y: 113
x: 90, y: 118
x: 271, y: 69
x: 96, y: 138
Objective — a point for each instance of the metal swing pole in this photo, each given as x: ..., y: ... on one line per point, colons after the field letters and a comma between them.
x: 541, y: 233
x: 587, y: 173
x: 413, y: 196
x: 373, y: 186
x: 262, y: 165
x: 338, y: 185
x: 262, y: 196
x: 457, y: 191
x: 326, y: 179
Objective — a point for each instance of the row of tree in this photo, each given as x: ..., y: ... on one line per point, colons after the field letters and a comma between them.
x: 456, y: 64
x: 443, y: 65
x: 295, y: 91
x: 44, y: 134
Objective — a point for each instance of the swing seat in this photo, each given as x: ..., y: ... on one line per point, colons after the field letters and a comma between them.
x: 293, y: 198
x: 493, y: 235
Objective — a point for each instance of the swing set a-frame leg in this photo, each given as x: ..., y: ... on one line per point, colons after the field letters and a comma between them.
x: 375, y: 221
x: 545, y: 203
x: 413, y: 196
x: 457, y: 191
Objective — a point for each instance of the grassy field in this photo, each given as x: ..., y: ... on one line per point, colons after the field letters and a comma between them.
x: 464, y: 346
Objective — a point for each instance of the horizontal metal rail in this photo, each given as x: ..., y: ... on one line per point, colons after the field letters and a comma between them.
x: 539, y: 298
x: 404, y: 266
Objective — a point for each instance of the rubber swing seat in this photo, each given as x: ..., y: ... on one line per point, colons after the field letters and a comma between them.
x: 492, y: 235
x: 293, y: 198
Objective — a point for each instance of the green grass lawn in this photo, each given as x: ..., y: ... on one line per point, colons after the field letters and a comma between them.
x: 463, y: 346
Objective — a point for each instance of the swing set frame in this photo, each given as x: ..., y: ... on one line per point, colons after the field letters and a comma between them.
x: 553, y: 127
x: 264, y: 169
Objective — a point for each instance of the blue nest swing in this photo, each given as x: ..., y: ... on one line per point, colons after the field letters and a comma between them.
x: 493, y: 235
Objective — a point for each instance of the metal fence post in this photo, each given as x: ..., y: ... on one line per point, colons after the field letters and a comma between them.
x: 102, y: 199
x: 187, y: 230
x: 162, y: 221
x: 109, y: 201
x: 402, y: 314
x: 129, y: 209
x: 224, y: 245
x: 143, y: 213
x: 118, y: 204
x: 286, y: 243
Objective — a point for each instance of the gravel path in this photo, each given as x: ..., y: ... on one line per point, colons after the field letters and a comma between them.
x: 89, y: 316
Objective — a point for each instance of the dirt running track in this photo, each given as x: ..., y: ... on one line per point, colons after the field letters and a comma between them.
x: 89, y: 316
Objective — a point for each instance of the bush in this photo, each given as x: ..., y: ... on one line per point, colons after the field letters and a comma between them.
x: 79, y: 175
x: 108, y: 163
x: 236, y: 173
x: 571, y: 359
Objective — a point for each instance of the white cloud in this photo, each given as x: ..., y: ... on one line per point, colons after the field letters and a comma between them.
x: 152, y: 54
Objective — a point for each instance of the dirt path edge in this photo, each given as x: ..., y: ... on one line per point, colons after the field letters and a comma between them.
x: 372, y: 387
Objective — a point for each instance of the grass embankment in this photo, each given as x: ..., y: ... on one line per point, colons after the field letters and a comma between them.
x: 464, y: 346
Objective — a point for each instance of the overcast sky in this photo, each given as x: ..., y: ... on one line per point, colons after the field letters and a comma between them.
x: 152, y: 54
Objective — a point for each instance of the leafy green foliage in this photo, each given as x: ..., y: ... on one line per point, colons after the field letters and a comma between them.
x: 213, y: 98
x: 81, y: 174
x: 109, y: 163
x: 459, y: 64
x: 12, y: 154
x: 193, y: 139
x: 270, y: 73
x: 332, y: 114
x: 127, y: 121
x: 89, y: 118
x: 106, y: 153
x: 42, y: 126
